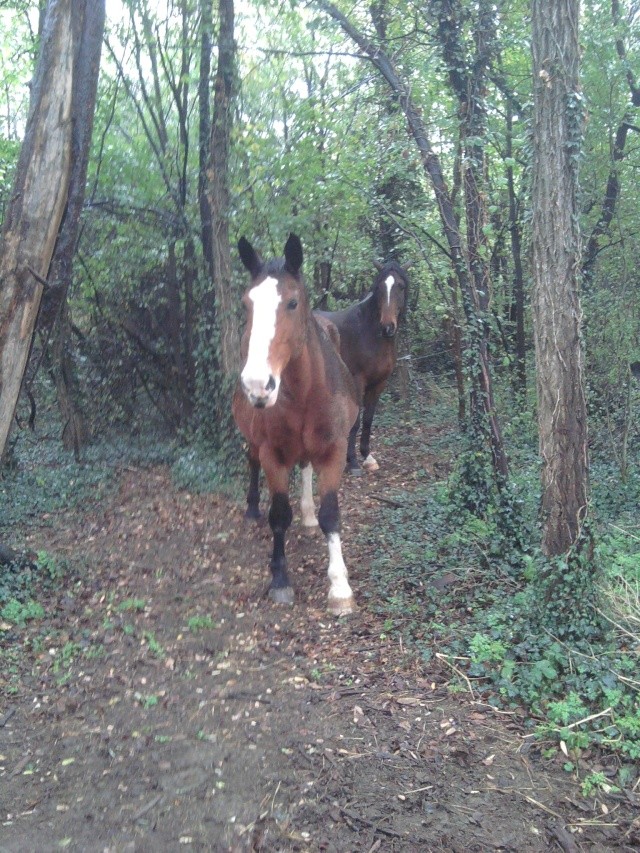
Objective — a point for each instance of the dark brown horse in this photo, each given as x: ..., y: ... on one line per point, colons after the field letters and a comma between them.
x: 294, y: 403
x: 368, y: 348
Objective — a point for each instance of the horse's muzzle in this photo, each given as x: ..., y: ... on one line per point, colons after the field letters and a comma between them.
x: 388, y: 331
x: 260, y: 395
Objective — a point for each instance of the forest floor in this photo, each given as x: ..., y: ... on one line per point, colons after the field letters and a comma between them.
x: 164, y: 703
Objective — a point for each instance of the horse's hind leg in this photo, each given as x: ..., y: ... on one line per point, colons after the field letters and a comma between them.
x: 280, y: 516
x: 353, y: 466
x: 307, y: 507
x: 253, y: 495
x: 370, y: 403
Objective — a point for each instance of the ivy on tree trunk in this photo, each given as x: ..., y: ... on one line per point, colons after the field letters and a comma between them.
x: 557, y: 138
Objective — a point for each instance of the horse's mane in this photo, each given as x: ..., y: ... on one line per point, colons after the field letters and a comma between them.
x: 274, y: 266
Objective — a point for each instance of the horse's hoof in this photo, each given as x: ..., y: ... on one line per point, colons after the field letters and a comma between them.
x: 341, y: 606
x: 370, y: 464
x: 281, y: 595
x: 253, y: 515
x: 310, y: 524
x: 355, y: 471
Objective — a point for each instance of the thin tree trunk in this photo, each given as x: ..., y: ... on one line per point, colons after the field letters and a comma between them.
x: 218, y: 190
x: 38, y: 201
x: 204, y: 131
x: 517, y: 301
x: 557, y: 136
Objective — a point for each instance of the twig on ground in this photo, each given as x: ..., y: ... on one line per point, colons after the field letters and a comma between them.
x: 353, y: 816
x: 458, y: 671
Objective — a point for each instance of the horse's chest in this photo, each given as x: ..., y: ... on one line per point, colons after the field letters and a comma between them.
x: 380, y: 362
x: 303, y: 435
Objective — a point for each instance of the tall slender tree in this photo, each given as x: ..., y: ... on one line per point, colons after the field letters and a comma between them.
x: 557, y: 136
x: 218, y: 189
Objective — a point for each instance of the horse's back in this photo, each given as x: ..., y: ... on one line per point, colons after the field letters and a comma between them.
x: 369, y: 358
x: 338, y: 375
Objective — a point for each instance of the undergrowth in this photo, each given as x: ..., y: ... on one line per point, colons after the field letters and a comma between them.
x: 456, y: 587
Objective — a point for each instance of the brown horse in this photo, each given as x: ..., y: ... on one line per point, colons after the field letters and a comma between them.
x: 368, y: 348
x: 294, y: 403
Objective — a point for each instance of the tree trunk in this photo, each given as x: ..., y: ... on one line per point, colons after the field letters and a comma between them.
x: 54, y: 316
x: 557, y: 135
x: 468, y: 81
x: 517, y: 299
x: 218, y: 190
x: 204, y: 131
x: 38, y: 200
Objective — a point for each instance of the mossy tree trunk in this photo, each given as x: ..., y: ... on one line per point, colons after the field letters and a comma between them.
x: 557, y: 135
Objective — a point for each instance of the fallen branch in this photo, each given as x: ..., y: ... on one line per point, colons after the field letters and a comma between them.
x: 353, y: 816
x: 386, y: 501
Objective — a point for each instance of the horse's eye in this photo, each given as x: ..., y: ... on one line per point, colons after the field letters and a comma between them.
x: 292, y: 304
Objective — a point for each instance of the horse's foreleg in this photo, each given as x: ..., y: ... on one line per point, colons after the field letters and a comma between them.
x: 253, y: 495
x: 307, y: 507
x: 353, y: 466
x: 340, y: 593
x: 370, y: 402
x: 280, y: 516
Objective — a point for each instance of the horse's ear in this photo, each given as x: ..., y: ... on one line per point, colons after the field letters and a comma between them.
x: 249, y: 257
x: 293, y: 254
x: 378, y: 265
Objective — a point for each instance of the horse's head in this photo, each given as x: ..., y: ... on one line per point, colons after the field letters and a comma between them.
x: 390, y: 295
x: 277, y: 313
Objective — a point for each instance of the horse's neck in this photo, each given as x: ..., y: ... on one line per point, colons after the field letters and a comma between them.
x: 298, y: 376
x: 369, y: 326
x: 368, y: 311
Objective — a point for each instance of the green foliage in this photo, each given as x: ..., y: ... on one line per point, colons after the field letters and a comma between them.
x: 594, y: 783
x: 200, y: 623
x: 203, y: 468
x: 153, y: 645
x: 537, y: 634
x: 129, y: 604
x: 35, y: 492
x: 18, y: 613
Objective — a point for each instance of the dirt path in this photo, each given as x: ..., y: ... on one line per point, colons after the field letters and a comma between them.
x: 171, y: 706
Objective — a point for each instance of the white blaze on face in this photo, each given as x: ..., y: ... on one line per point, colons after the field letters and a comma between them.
x: 389, y: 281
x: 257, y: 371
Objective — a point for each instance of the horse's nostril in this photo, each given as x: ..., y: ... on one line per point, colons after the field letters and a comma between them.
x: 271, y: 384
